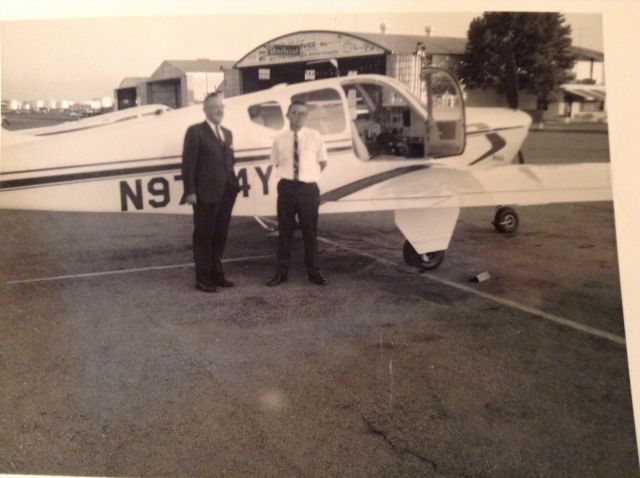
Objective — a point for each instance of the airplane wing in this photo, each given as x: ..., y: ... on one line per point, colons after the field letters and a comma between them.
x: 514, y: 184
x: 536, y: 184
x: 427, y: 200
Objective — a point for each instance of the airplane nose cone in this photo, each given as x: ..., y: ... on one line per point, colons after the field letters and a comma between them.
x: 522, y: 118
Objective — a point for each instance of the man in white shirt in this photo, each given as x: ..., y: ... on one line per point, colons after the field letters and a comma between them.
x: 298, y: 156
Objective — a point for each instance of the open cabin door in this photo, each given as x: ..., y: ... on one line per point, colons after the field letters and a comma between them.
x: 445, y: 134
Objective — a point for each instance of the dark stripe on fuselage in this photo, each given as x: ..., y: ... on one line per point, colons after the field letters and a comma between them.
x: 105, y: 174
x: 364, y: 183
x: 491, y: 130
x: 63, y: 178
x: 90, y: 165
x: 262, y: 157
x: 497, y: 143
x: 159, y: 158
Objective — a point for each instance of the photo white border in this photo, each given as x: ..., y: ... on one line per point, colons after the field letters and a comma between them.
x: 622, y: 69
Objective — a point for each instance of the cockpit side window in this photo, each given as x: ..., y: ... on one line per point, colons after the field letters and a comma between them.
x: 268, y: 114
x: 325, y: 108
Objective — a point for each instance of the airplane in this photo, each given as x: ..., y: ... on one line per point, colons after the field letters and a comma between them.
x: 388, y: 150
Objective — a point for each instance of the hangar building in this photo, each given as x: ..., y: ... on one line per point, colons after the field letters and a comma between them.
x: 129, y: 93
x: 317, y: 54
x: 175, y: 83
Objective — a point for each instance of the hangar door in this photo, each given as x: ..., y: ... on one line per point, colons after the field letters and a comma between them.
x: 266, y: 76
x: 166, y: 92
x: 126, y: 97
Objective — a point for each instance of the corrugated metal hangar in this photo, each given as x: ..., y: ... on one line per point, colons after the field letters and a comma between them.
x: 316, y: 54
x: 128, y: 94
x: 291, y: 58
x: 175, y: 83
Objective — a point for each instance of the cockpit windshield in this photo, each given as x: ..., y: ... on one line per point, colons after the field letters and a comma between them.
x: 389, y: 121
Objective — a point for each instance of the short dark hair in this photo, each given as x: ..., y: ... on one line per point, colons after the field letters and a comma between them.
x: 296, y: 102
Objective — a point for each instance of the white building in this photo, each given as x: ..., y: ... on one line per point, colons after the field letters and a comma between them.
x: 584, y: 99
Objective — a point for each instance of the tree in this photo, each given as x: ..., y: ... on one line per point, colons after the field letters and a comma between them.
x: 512, y: 51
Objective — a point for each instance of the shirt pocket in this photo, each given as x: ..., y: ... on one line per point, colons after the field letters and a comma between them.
x: 309, y: 150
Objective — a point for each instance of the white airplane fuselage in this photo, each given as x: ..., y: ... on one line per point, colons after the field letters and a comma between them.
x: 134, y: 166
x: 424, y: 159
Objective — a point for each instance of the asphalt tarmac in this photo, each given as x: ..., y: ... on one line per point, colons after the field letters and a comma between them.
x: 114, y: 365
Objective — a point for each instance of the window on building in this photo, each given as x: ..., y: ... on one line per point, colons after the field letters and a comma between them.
x: 326, y: 113
x: 268, y: 114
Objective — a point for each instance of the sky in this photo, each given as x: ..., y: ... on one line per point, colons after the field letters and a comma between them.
x: 81, y: 58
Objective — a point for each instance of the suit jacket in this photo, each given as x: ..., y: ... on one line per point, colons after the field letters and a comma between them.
x: 207, y: 164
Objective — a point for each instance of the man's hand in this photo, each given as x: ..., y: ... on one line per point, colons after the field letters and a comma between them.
x: 190, y: 199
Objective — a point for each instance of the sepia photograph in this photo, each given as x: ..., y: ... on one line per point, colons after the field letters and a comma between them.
x: 318, y: 239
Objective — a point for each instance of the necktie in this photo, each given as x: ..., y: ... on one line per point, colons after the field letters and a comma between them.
x: 219, y: 134
x: 296, y: 157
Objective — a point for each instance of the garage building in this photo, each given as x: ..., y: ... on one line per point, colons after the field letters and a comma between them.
x: 317, y: 54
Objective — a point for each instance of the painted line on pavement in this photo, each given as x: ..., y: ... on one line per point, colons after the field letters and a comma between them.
x: 128, y: 271
x: 507, y: 302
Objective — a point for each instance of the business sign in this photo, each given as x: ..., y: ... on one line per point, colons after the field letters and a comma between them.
x: 308, y: 46
x: 283, y: 50
x: 264, y: 74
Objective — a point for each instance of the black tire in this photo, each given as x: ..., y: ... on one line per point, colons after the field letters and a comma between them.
x: 506, y: 220
x: 427, y: 261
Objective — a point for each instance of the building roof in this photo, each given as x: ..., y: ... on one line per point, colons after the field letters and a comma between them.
x: 588, y: 54
x: 588, y: 92
x: 407, y: 43
x: 379, y: 43
x: 132, y: 81
x: 446, y: 45
x: 201, y: 65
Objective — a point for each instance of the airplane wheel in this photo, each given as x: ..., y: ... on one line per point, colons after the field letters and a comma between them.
x: 506, y: 220
x: 426, y: 261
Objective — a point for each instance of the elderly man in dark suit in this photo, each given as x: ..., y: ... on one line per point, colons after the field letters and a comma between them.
x: 211, y: 187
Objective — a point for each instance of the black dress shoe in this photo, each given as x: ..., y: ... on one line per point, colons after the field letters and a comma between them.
x: 205, y: 287
x: 318, y: 279
x: 277, y: 279
x: 224, y: 283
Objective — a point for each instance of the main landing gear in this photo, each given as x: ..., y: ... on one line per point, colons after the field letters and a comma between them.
x: 506, y: 220
x: 427, y: 261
